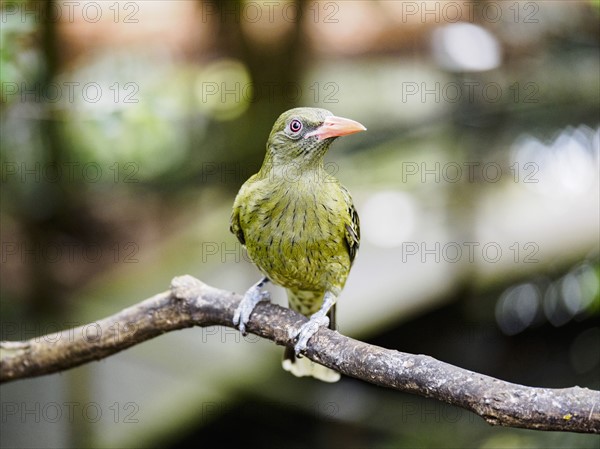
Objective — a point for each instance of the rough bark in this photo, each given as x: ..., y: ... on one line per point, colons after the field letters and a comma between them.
x: 193, y: 303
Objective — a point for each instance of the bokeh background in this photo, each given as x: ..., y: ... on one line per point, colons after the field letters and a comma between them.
x: 128, y: 127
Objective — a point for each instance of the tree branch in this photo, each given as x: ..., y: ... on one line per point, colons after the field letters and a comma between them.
x: 193, y: 303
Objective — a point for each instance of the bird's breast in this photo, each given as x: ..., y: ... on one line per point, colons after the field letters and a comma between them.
x: 295, y: 234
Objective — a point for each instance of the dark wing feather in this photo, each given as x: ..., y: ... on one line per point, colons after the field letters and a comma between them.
x: 332, y: 318
x: 352, y: 226
x: 234, y: 223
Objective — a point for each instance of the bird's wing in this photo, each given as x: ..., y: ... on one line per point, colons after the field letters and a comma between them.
x: 234, y: 223
x: 352, y: 226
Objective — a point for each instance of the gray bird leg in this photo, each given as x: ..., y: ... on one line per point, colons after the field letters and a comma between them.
x: 251, y: 298
x: 316, y: 320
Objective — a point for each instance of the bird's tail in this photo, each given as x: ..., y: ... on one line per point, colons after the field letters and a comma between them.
x: 301, y: 367
x: 308, y: 303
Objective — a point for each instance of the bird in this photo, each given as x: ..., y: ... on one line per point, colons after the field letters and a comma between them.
x: 299, y: 227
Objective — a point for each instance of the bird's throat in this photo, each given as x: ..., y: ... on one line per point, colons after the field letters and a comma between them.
x: 295, y: 173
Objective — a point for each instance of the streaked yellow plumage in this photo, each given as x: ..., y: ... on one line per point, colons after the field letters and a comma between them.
x: 297, y: 222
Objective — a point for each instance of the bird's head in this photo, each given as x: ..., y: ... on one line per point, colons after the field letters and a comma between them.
x: 303, y: 135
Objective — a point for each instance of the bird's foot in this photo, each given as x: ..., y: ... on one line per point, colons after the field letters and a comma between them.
x: 251, y: 298
x: 308, y: 330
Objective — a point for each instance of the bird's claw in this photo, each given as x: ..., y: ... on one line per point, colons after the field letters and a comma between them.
x: 308, y: 330
x: 251, y: 298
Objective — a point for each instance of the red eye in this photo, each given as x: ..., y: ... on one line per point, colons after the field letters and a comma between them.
x: 295, y: 126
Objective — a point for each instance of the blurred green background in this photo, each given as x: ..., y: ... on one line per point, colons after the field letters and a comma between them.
x: 128, y: 127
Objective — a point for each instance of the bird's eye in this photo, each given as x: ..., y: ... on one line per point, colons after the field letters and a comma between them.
x: 295, y: 126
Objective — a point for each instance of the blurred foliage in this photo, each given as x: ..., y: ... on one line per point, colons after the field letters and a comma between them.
x: 124, y: 139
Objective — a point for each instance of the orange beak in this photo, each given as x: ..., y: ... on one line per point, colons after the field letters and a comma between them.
x: 335, y: 127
